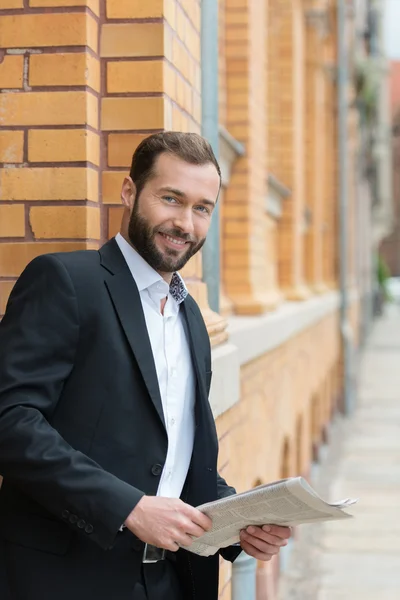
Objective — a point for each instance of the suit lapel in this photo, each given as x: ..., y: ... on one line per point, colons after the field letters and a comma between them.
x: 195, y: 345
x: 126, y: 300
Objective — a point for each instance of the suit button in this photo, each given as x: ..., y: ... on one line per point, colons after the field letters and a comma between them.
x: 89, y: 528
x: 156, y: 470
x: 73, y: 519
x: 81, y: 524
x: 65, y: 514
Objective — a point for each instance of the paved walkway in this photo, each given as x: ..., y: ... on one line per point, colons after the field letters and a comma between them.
x: 359, y: 559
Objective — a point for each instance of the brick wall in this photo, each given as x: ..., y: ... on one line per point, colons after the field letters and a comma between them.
x: 81, y: 86
x: 248, y: 280
x: 287, y: 399
x: 150, y: 54
x: 49, y: 142
x: 291, y: 131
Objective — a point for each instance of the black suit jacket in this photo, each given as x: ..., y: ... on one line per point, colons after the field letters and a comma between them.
x: 82, y: 432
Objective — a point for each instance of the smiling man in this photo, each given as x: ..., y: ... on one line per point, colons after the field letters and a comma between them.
x: 107, y: 440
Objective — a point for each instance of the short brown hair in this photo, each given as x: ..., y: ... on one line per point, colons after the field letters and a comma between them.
x: 190, y: 147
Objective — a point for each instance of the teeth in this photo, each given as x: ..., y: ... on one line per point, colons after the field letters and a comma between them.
x: 175, y: 241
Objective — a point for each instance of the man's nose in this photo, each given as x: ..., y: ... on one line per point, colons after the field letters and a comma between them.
x: 184, y: 222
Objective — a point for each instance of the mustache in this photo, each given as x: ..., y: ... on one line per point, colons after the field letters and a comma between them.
x: 176, y: 233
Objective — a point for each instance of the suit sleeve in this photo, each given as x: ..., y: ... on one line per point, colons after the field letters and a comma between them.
x: 231, y: 552
x: 39, y: 335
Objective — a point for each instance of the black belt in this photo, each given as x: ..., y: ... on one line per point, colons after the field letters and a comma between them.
x: 152, y: 554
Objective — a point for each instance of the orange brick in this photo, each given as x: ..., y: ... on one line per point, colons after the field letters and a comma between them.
x: 5, y: 291
x: 134, y: 9
x: 170, y: 77
x: 192, y: 9
x: 181, y: 23
x: 132, y: 39
x: 49, y: 29
x: 65, y: 222
x: 192, y: 41
x: 74, y: 183
x: 63, y: 145
x: 11, y: 146
x: 132, y: 113
x: 180, y: 91
x: 12, y: 220
x: 92, y: 4
x: 11, y: 4
x: 188, y: 98
x: 48, y: 108
x: 14, y: 256
x: 67, y: 69
x: 121, y: 147
x: 236, y: 17
x: 111, y: 186
x: 170, y: 7
x: 181, y: 58
x: 167, y: 114
x: 177, y: 118
x: 114, y: 220
x: 193, y: 268
x: 11, y: 71
x: 196, y: 107
x: 135, y: 76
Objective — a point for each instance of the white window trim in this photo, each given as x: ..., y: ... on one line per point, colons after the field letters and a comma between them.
x: 229, y: 150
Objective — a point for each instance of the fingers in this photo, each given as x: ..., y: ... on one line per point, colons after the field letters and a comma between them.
x: 198, y: 517
x: 270, y: 538
x: 253, y: 551
x: 170, y: 545
x: 192, y: 529
x: 281, y: 532
x: 261, y: 544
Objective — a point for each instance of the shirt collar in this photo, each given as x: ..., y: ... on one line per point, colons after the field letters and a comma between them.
x: 145, y: 276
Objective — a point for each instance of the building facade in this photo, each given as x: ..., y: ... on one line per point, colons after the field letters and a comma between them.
x: 83, y: 81
x: 390, y: 248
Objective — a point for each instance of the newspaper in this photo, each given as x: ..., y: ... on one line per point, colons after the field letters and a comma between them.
x: 286, y: 502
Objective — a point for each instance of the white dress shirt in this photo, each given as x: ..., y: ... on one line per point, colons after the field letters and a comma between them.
x: 173, y: 364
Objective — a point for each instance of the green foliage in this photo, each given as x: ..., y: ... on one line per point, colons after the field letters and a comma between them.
x: 366, y: 79
x: 383, y: 274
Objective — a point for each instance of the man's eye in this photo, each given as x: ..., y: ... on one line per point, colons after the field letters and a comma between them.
x: 169, y: 199
x: 203, y: 209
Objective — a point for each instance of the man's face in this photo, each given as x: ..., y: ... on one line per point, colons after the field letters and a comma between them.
x: 171, y: 217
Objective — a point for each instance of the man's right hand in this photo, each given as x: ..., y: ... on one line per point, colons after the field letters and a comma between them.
x: 167, y: 522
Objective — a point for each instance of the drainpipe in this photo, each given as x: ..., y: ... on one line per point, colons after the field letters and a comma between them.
x: 345, y: 327
x: 210, y: 130
x: 244, y: 571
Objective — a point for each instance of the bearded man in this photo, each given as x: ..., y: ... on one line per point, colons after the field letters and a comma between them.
x: 107, y: 439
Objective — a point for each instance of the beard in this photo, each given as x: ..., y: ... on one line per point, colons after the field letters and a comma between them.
x: 142, y: 237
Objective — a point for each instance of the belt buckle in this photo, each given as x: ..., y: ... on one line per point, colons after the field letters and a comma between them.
x: 152, y: 554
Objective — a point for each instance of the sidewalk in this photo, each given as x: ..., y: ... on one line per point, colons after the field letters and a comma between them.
x: 359, y: 559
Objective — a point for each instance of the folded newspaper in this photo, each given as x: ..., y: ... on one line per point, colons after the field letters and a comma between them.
x: 286, y: 502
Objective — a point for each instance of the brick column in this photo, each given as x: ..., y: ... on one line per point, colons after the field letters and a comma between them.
x: 315, y: 138
x: 331, y: 163
x: 49, y: 148
x: 151, y: 81
x: 245, y: 225
x: 291, y: 133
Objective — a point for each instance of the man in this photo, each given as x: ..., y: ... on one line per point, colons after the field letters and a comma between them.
x: 107, y: 440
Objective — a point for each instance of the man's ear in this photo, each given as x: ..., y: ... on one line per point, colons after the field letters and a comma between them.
x: 128, y: 193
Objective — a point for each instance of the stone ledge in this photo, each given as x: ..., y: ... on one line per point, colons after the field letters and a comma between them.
x: 251, y: 337
x: 255, y: 336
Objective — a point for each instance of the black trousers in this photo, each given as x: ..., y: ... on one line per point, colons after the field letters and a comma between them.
x: 159, y: 582
x: 85, y: 571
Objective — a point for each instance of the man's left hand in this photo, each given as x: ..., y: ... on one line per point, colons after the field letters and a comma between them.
x: 264, y: 542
